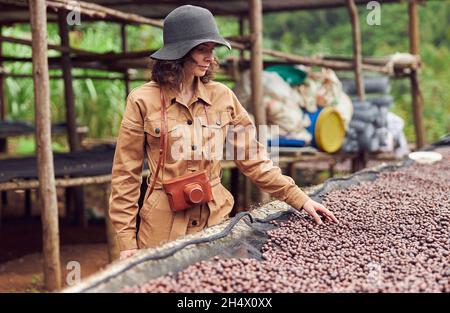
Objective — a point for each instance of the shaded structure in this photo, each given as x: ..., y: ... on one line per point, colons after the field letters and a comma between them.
x: 130, y: 12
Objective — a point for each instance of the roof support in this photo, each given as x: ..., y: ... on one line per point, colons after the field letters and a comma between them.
x: 256, y: 76
x: 357, y: 55
x: 361, y: 159
x: 417, y: 99
x: 46, y: 173
x: 74, y: 196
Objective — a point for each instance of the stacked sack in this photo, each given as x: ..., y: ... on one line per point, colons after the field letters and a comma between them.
x: 368, y: 130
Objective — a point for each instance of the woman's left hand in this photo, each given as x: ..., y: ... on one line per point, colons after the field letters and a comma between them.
x: 313, y: 208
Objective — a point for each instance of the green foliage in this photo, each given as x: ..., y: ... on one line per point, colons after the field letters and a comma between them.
x: 100, y: 103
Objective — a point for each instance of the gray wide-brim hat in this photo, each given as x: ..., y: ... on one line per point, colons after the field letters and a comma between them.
x: 185, y: 28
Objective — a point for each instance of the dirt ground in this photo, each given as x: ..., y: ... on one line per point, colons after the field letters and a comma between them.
x: 25, y: 273
x: 21, y: 268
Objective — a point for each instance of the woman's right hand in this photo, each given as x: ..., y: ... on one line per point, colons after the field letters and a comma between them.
x: 127, y: 253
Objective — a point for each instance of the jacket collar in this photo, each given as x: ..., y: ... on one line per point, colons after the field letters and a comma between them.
x: 200, y: 92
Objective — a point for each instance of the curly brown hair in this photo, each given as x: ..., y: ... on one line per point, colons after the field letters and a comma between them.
x: 170, y: 73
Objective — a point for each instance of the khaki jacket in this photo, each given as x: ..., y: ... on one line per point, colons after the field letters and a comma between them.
x: 138, y: 139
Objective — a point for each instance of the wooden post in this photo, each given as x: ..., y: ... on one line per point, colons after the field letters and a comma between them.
x: 361, y: 159
x: 417, y: 100
x: 256, y: 75
x: 47, y: 190
x: 356, y: 33
x: 68, y: 86
x: 247, y: 185
x: 113, y: 246
x: 247, y: 190
x: 74, y: 195
x: 235, y: 190
x: 126, y: 75
x: 3, y: 141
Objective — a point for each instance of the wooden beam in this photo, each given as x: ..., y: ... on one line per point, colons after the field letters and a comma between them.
x: 357, y: 54
x: 46, y: 173
x: 59, y: 182
x: 90, y: 57
x: 319, y: 61
x: 417, y: 99
x: 27, y: 42
x: 77, y: 77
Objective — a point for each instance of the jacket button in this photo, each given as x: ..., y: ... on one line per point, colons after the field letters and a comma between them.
x: 218, y: 123
x: 194, y: 147
x: 189, y: 122
x: 194, y: 223
x: 157, y: 130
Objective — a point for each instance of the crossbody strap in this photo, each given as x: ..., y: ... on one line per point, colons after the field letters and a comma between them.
x: 162, y: 143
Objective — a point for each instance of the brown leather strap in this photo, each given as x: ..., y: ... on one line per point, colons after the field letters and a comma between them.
x: 162, y: 143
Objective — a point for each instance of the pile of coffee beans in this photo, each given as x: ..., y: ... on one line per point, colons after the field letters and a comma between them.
x: 393, y: 236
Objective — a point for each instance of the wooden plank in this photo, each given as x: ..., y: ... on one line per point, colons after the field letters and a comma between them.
x: 417, y: 99
x: 47, y: 190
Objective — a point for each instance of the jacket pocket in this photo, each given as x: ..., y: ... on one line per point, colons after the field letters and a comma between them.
x: 149, y: 203
x: 156, y: 220
x: 215, y: 132
x: 153, y: 128
x: 221, y: 206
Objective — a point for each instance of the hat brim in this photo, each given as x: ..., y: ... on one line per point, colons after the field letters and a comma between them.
x: 177, y: 50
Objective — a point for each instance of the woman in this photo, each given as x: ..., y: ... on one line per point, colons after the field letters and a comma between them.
x: 182, y: 104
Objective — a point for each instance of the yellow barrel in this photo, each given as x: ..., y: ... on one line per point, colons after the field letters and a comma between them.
x: 329, y: 130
